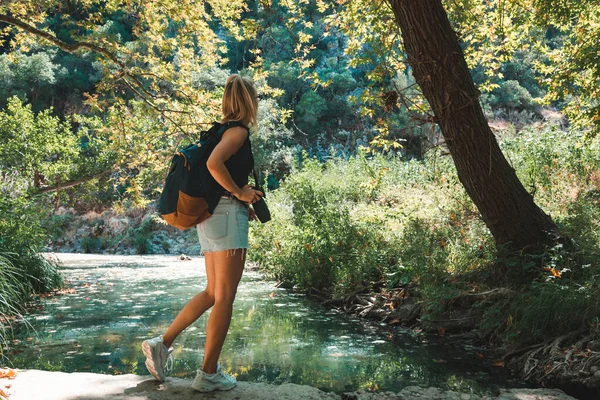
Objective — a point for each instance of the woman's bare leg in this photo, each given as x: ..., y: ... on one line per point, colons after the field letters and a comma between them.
x: 196, y: 306
x: 228, y: 272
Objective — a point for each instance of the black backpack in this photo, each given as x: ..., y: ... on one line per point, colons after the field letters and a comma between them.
x: 191, y: 193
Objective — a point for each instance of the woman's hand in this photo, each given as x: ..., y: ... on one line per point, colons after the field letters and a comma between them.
x: 249, y: 195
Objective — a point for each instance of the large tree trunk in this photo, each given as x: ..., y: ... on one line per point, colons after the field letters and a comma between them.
x: 440, y: 69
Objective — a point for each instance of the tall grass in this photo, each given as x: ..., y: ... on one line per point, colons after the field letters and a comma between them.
x: 21, y: 276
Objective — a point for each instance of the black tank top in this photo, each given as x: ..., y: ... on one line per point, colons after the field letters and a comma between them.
x: 240, y: 164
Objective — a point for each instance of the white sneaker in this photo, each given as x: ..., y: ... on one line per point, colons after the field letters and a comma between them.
x: 157, y: 357
x: 209, y: 382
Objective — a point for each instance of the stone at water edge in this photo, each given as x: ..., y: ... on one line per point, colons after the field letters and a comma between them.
x: 432, y: 393
x: 45, y: 385
x: 533, y: 394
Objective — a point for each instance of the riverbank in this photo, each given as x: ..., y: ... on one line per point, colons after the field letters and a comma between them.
x: 570, y: 362
x: 35, y: 384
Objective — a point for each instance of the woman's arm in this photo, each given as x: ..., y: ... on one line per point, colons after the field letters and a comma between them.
x: 230, y: 143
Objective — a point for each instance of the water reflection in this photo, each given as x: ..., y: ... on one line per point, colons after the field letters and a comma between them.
x: 275, y: 336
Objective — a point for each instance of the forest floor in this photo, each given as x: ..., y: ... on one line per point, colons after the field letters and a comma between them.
x: 570, y: 362
x: 35, y: 384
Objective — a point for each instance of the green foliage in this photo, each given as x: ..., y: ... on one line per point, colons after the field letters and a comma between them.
x: 39, y: 147
x: 510, y: 95
x: 556, y: 40
x: 22, y: 275
x: 141, y: 235
x: 345, y: 224
x: 21, y: 238
x: 45, y: 150
x: 26, y: 76
x: 310, y: 108
x: 563, y: 165
x: 566, y: 299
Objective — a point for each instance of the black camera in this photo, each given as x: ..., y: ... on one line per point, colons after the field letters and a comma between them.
x: 261, y: 209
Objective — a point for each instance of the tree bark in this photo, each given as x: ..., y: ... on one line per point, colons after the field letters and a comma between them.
x: 440, y: 69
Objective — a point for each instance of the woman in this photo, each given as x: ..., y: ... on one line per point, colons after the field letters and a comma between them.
x: 224, y: 241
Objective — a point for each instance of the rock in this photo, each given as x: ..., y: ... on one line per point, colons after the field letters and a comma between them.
x: 117, y: 225
x: 533, y: 394
x: 46, y: 385
x: 90, y: 216
x: 61, y: 211
x: 284, y: 284
x: 594, y: 345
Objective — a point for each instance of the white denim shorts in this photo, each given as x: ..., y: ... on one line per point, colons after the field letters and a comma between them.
x: 226, y: 228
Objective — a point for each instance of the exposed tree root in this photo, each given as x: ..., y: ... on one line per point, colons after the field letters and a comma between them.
x: 565, y: 360
x: 571, y: 360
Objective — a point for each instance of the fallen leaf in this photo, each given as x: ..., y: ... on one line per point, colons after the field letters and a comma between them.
x: 554, y: 272
x: 499, y: 364
x: 272, y: 294
x: 509, y: 320
x: 441, y: 331
x: 394, y: 321
x: 7, y: 373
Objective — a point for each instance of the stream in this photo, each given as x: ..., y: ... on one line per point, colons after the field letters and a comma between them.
x: 112, y: 303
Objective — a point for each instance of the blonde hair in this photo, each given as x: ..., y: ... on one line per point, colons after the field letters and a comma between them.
x: 240, y: 102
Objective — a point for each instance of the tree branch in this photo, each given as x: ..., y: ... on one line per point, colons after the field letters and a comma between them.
x: 70, y: 48
x: 67, y: 185
x: 134, y: 82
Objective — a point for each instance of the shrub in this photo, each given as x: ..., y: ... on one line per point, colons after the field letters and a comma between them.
x: 347, y: 223
x: 340, y: 225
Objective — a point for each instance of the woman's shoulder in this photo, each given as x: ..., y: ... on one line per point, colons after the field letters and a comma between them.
x: 236, y: 134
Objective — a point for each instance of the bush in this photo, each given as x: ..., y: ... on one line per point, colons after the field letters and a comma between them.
x: 346, y: 223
